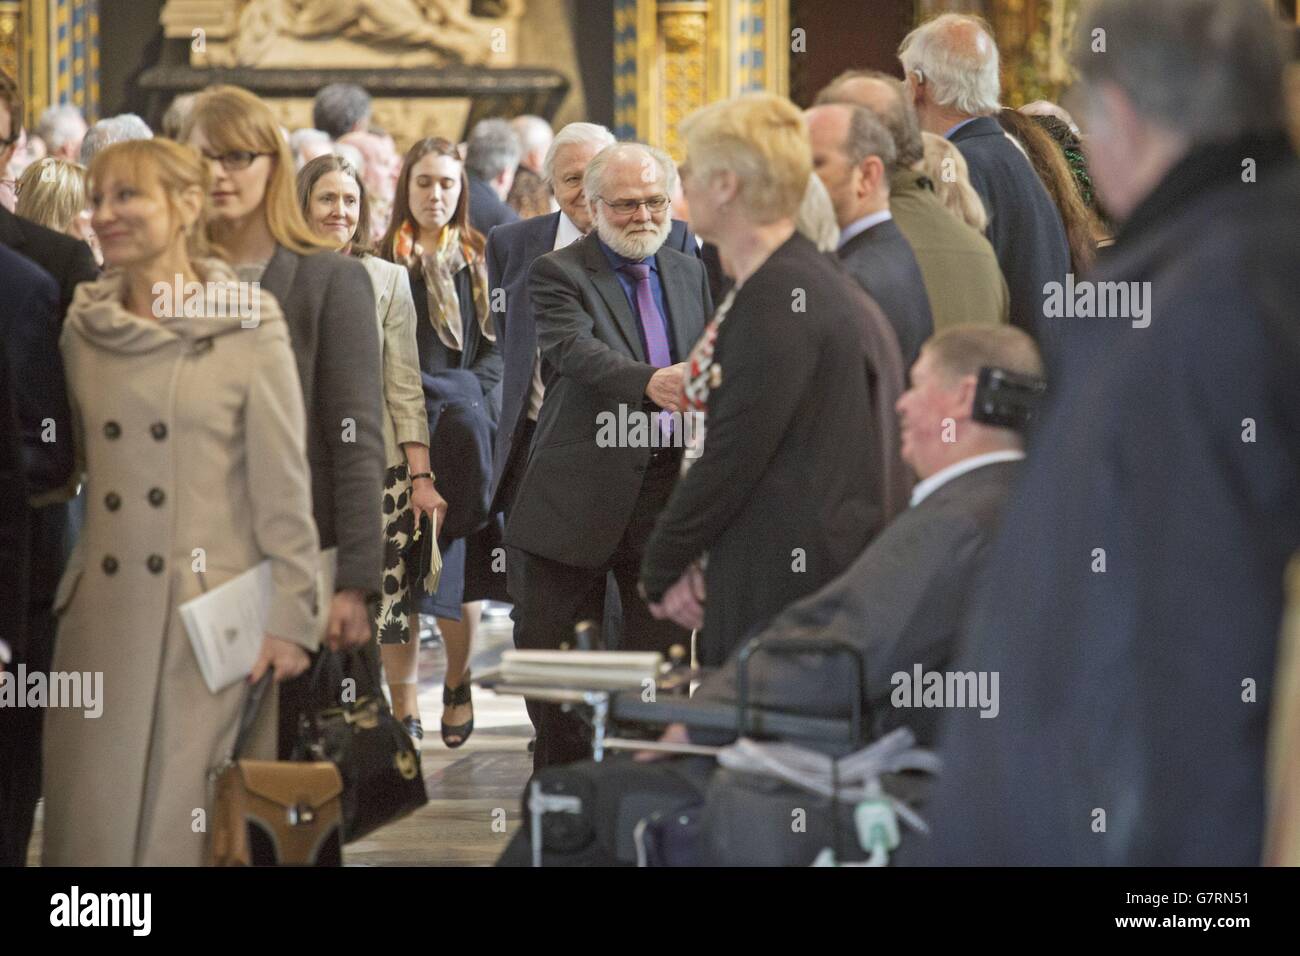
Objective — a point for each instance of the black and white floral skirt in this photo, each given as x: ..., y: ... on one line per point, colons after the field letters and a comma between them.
x: 395, y: 604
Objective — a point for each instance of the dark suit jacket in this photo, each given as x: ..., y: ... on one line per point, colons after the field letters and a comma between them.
x: 29, y: 330
x: 1024, y: 225
x: 881, y: 261
x: 575, y: 498
x: 29, y: 322
x: 68, y: 260
x: 511, y: 250
x: 486, y: 210
x: 1127, y: 690
x: 329, y: 304
x: 787, y: 491
x: 901, y: 603
x: 31, y: 299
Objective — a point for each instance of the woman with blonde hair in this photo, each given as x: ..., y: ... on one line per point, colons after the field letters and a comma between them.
x: 947, y: 169
x: 336, y: 204
x: 783, y: 380
x: 330, y: 309
x: 189, y: 430
x: 431, y: 237
x: 52, y: 193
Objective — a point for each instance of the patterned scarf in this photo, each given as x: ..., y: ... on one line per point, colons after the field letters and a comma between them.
x: 439, y: 267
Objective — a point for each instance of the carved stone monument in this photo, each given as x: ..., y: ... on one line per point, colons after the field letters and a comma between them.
x: 433, y: 67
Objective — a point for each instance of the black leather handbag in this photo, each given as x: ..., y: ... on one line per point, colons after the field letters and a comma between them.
x: 379, y: 763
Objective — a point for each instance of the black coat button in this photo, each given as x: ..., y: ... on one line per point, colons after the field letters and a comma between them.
x: 158, y: 430
x: 155, y: 563
x: 156, y: 497
x: 112, y: 429
x: 112, y: 501
x: 110, y: 564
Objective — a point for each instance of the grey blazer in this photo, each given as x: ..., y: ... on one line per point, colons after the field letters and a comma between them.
x: 902, y: 602
x: 329, y: 305
x: 575, y: 498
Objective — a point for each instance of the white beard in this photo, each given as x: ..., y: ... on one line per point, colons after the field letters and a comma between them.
x: 635, y: 245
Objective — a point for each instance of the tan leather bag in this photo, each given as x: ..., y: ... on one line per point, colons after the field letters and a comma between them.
x: 278, y: 813
x: 275, y: 812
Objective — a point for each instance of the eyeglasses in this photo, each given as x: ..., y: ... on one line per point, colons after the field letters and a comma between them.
x: 235, y: 160
x: 626, y: 207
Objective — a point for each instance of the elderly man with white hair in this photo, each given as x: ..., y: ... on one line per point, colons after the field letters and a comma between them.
x: 511, y: 250
x: 952, y: 76
x: 110, y: 130
x: 62, y: 128
x: 616, y: 313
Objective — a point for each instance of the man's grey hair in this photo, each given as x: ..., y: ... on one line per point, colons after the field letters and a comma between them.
x: 900, y: 118
x: 114, y: 129
x: 593, y: 178
x: 533, y: 131
x: 301, y: 137
x: 957, y: 57
x: 868, y: 137
x: 574, y: 134
x: 352, y: 155
x: 339, y: 107
x: 493, y: 148
x: 1209, y: 69
x: 59, y: 125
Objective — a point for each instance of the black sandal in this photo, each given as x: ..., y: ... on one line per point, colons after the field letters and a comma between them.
x: 457, y: 698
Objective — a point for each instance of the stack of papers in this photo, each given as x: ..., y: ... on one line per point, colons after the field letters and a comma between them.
x: 228, y: 624
x: 593, y: 670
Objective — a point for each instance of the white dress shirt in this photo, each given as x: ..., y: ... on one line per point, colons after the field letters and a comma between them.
x: 929, y: 486
x: 859, y: 226
x: 566, y: 233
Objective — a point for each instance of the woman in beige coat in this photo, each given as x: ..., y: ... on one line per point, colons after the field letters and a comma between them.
x: 334, y: 203
x: 190, y: 428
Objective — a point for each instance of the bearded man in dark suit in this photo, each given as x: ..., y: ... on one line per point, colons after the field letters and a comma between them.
x: 616, y: 314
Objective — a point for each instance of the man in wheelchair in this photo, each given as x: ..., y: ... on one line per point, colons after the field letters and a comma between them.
x: 829, y: 673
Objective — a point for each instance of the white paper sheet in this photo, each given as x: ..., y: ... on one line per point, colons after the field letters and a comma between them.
x: 227, y: 625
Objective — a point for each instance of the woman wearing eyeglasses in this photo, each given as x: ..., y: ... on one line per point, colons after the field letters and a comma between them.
x: 336, y: 205
x: 431, y: 236
x: 330, y: 308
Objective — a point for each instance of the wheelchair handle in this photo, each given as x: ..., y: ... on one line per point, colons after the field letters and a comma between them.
x: 829, y: 646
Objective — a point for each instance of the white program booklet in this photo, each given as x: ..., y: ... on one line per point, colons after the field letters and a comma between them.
x: 228, y: 624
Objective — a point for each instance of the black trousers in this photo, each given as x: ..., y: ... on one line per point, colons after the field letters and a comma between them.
x: 21, y: 727
x: 551, y: 597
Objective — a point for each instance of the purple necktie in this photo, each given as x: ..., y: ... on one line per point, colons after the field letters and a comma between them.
x: 652, y: 320
x: 654, y: 327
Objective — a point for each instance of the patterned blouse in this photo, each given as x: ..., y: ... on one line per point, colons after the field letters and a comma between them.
x: 702, y: 375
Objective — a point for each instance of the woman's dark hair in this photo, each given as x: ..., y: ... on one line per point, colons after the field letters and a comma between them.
x: 402, y: 200
x: 312, y: 173
x: 1081, y: 226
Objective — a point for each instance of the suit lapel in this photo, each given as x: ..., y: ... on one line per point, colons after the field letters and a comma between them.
x: 611, y: 290
x: 682, y: 319
x: 541, y: 240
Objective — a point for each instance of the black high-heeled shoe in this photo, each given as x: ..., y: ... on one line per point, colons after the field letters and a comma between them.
x: 457, y: 698
x: 414, y: 728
